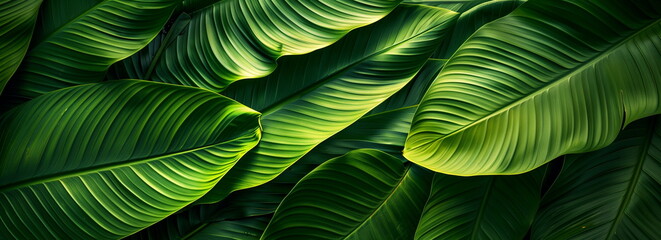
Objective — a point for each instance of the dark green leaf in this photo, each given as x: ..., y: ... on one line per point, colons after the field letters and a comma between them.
x: 17, y: 19
x: 82, y: 49
x: 613, y: 193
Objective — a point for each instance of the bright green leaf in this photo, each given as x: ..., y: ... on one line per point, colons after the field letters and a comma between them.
x: 109, y: 159
x: 551, y: 78
x: 237, y: 39
x: 385, y: 131
x: 333, y: 88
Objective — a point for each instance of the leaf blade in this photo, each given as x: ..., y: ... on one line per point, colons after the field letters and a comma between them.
x: 612, y: 193
x: 81, y: 50
x: 539, y: 81
x: 106, y: 174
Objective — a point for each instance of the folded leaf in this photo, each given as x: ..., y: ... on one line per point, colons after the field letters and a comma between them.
x: 81, y: 50
x: 613, y: 193
x: 368, y: 194
x: 17, y: 19
x: 319, y: 94
x: 106, y: 160
x: 237, y: 39
x: 551, y: 78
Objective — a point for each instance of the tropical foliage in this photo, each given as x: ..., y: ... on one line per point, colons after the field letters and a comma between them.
x: 330, y: 119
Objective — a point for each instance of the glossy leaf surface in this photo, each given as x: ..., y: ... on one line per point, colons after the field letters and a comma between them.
x: 551, y: 78
x: 114, y: 157
x: 80, y: 50
x: 368, y: 194
x: 340, y: 85
x: 237, y: 39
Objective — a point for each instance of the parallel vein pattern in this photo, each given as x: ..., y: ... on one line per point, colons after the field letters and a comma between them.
x: 385, y: 131
x: 237, y: 39
x: 338, y: 89
x: 111, y: 158
x: 368, y: 194
x: 17, y: 19
x: 81, y: 50
x: 482, y: 207
x: 551, y: 78
x: 472, y: 19
x: 613, y: 193
x: 360, y: 195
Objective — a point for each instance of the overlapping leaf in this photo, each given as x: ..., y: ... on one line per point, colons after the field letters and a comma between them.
x: 472, y: 19
x: 108, y: 159
x: 314, y: 96
x: 385, y: 129
x: 360, y: 195
x: 368, y: 194
x: 81, y: 50
x: 613, y: 193
x: 17, y: 19
x: 237, y: 39
x: 551, y: 78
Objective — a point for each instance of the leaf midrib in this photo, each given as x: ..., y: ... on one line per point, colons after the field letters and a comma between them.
x: 104, y: 167
x: 383, y: 203
x: 296, y: 95
x: 634, y: 179
x: 483, y: 204
x: 558, y: 81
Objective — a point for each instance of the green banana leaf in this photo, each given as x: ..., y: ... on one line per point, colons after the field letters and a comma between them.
x: 237, y: 39
x: 109, y: 159
x: 551, y: 78
x: 482, y: 207
x: 81, y: 49
x: 368, y: 194
x: 17, y: 19
x: 385, y: 131
x: 330, y: 91
x: 472, y: 19
x: 613, y: 193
